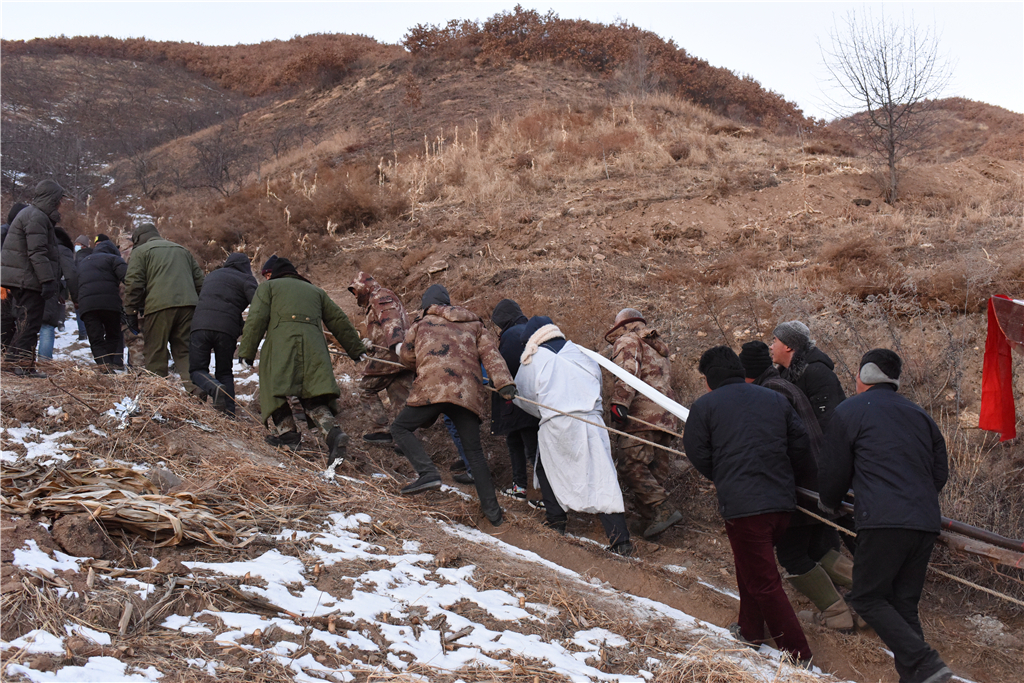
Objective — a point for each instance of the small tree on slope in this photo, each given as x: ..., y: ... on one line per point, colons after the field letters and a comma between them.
x: 887, y: 71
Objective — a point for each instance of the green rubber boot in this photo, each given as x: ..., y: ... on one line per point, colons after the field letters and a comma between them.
x: 839, y: 568
x: 817, y: 586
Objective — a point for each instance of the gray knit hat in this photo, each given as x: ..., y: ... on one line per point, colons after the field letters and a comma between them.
x: 793, y: 334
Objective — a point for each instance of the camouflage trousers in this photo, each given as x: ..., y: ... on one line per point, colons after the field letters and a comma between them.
x: 398, y: 387
x: 644, y: 469
x: 321, y: 414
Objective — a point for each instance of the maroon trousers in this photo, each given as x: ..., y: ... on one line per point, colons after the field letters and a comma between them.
x: 762, y: 599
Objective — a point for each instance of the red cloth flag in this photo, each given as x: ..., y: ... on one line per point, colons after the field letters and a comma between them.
x: 1005, y: 331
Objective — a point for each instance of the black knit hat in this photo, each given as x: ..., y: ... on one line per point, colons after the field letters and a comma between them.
x: 719, y: 364
x: 755, y: 358
x: 268, y: 267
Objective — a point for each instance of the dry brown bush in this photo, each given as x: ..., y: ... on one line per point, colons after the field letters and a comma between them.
x: 526, y: 35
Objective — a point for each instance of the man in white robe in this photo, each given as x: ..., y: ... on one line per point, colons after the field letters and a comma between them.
x: 575, y: 470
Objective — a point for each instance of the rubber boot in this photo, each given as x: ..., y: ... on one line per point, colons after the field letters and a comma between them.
x: 839, y: 568
x: 818, y: 587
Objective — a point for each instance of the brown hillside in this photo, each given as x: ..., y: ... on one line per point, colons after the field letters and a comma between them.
x: 550, y: 182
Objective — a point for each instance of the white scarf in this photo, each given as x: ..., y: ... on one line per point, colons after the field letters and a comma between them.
x: 544, y: 334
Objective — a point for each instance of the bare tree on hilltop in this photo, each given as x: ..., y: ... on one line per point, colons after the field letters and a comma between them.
x: 887, y: 71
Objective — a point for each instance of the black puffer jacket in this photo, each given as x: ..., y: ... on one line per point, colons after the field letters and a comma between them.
x: 55, y: 311
x: 814, y: 373
x: 226, y: 292
x: 749, y: 441
x: 30, y: 256
x: 506, y: 417
x: 892, y: 453
x: 100, y: 275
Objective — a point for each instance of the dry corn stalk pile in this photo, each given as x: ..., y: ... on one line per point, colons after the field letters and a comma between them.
x: 124, y: 500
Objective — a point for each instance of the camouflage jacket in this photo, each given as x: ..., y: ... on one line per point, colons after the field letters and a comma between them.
x: 386, y: 322
x: 637, y: 349
x: 446, y: 345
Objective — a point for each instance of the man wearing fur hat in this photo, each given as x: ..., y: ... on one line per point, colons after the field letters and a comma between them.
x: 446, y: 345
x: 386, y: 323
x: 162, y: 286
x: 893, y: 455
x: 749, y: 441
x: 808, y: 367
x: 639, y: 350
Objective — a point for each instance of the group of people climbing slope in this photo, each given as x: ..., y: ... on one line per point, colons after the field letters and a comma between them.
x: 775, y: 417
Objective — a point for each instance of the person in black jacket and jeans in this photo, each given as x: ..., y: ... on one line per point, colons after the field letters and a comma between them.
x: 216, y: 326
x: 894, y: 456
x: 100, y: 275
x: 749, y: 441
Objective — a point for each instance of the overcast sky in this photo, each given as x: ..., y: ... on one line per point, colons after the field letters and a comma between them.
x: 776, y: 43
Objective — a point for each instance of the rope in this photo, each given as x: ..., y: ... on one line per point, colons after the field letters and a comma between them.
x: 947, y: 575
x: 654, y: 426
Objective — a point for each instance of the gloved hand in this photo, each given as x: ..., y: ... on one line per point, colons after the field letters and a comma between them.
x: 620, y: 414
x: 363, y: 357
x: 367, y: 344
x: 132, y: 321
x: 247, y: 362
x: 49, y: 289
x: 508, y: 392
x: 831, y: 512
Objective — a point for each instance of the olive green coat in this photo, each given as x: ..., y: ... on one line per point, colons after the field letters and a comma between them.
x: 295, y: 360
x: 161, y: 274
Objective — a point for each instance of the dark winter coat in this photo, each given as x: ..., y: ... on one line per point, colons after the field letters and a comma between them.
x: 507, y: 417
x: 30, y: 256
x: 749, y: 441
x: 55, y: 310
x: 82, y: 253
x: 100, y: 275
x: 894, y: 456
x: 227, y: 292
x: 813, y: 372
x: 770, y: 379
x: 161, y: 274
x: 295, y: 360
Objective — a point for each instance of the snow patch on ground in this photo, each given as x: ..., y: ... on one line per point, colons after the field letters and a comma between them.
x: 393, y: 588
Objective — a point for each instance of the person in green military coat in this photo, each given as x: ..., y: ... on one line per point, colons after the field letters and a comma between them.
x: 295, y: 361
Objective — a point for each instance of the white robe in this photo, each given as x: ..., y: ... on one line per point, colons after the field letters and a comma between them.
x: 577, y: 457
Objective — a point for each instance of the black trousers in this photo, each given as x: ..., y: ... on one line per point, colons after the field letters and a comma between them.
x: 888, y: 577
x: 104, y: 331
x: 522, y: 446
x: 203, y: 343
x: 803, y: 544
x: 614, y: 523
x: 22, y: 318
x: 468, y: 425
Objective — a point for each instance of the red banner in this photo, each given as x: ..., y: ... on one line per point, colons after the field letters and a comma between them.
x: 1005, y: 332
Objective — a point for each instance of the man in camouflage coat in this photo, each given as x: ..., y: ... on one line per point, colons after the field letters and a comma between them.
x: 638, y: 350
x: 446, y: 345
x: 386, y: 323
x: 295, y: 360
